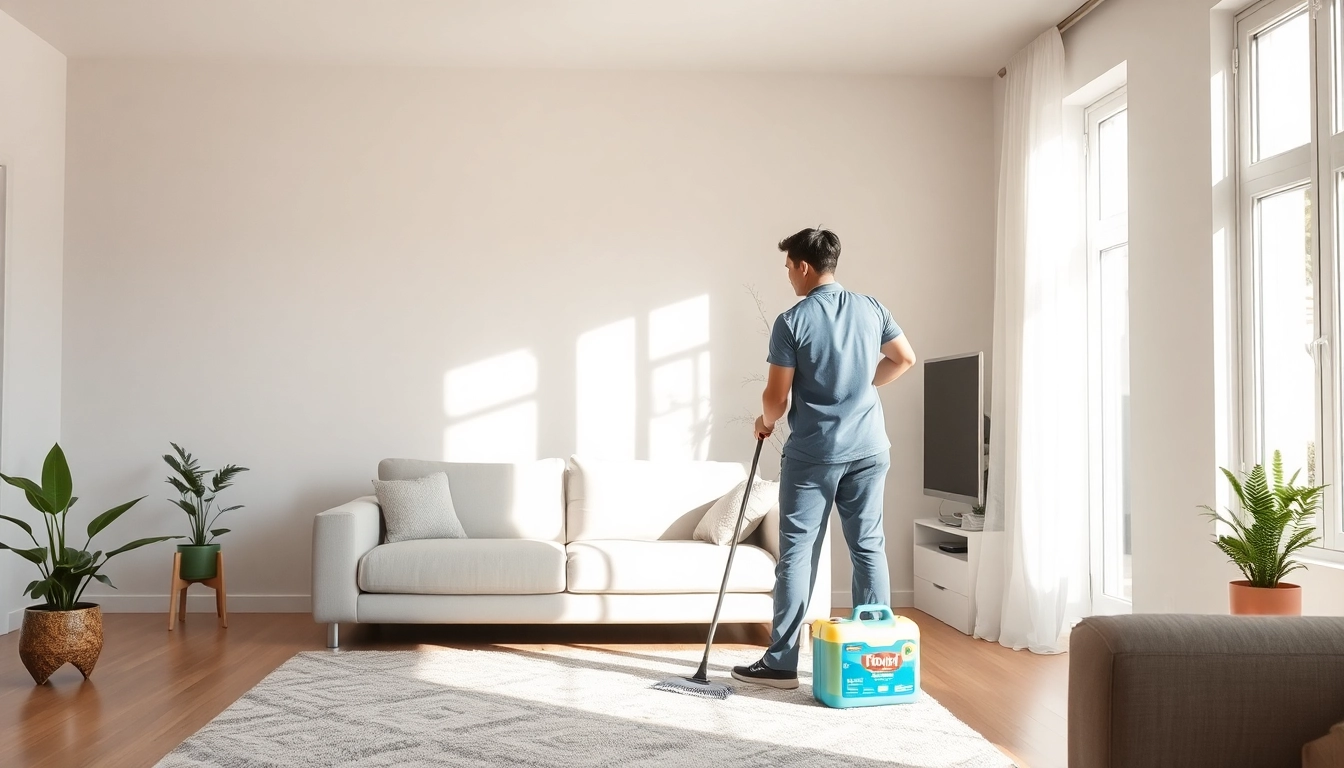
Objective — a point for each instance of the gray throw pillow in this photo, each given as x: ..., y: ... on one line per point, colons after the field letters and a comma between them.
x: 717, y: 525
x: 418, y: 509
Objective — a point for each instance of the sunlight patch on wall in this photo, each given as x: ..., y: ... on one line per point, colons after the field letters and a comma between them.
x: 679, y: 327
x: 606, y: 392
x: 680, y: 414
x: 679, y: 423
x: 475, y: 387
x: 506, y: 435
x: 492, y: 409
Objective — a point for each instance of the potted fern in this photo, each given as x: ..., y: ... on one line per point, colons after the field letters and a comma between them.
x: 197, y: 499
x: 1275, y: 523
x: 63, y: 628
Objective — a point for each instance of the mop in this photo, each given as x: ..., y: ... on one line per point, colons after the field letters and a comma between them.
x: 699, y: 683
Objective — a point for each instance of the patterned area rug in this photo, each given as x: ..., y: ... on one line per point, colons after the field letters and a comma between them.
x: 561, y: 707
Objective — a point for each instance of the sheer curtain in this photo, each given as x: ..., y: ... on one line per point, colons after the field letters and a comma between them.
x: 1032, y: 575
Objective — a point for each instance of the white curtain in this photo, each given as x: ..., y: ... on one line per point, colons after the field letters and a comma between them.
x: 1033, y: 569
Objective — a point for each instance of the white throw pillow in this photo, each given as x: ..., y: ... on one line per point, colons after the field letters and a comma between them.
x: 717, y: 525
x: 418, y: 509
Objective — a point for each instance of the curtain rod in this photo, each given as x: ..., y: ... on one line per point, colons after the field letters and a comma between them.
x: 1073, y: 18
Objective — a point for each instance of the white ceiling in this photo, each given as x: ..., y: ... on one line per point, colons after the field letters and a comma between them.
x: 954, y: 37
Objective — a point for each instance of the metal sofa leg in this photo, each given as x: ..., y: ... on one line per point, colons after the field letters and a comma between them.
x: 334, y: 635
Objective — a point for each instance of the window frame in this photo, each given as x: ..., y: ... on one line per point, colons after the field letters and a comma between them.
x: 1304, y: 166
x: 1101, y: 236
x: 1328, y: 148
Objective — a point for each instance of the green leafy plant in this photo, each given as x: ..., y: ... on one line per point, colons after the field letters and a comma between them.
x: 1274, y: 523
x: 198, y: 497
x: 66, y: 571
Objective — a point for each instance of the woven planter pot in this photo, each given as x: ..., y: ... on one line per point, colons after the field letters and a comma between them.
x: 51, y: 638
x: 1283, y: 600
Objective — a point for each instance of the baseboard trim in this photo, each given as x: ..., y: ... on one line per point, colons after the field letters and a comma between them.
x: 14, y: 621
x: 204, y: 603
x: 904, y: 598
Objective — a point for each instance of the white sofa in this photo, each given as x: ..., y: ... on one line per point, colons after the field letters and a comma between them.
x: 588, y: 542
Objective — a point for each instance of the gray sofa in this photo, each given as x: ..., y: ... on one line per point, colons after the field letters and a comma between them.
x: 1193, y: 691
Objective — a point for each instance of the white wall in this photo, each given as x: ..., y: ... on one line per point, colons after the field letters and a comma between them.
x: 1177, y: 442
x: 285, y: 266
x: 32, y: 147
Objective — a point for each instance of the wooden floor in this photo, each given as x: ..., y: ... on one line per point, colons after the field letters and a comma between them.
x: 153, y: 688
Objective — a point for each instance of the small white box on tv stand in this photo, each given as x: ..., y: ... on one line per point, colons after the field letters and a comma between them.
x: 944, y: 581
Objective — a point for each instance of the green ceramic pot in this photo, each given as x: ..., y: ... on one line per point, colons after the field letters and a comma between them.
x: 198, y: 561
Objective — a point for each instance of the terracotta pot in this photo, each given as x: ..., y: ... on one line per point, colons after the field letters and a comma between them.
x: 1283, y: 600
x: 51, y: 638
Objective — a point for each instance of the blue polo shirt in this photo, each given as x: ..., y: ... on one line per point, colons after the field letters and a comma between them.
x: 832, y: 339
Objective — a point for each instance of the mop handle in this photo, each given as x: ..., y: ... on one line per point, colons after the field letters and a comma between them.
x: 703, y: 672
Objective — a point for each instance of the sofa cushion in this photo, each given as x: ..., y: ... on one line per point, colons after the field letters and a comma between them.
x: 665, y: 567
x: 464, y: 567
x: 643, y: 500
x: 497, y: 501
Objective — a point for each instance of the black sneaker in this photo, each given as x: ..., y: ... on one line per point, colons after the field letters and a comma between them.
x: 762, y: 675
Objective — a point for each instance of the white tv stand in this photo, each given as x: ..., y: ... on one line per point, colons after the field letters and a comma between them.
x: 945, y: 582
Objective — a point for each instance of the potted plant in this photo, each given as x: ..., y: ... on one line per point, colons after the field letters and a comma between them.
x: 197, y: 500
x: 1274, y: 524
x: 63, y: 628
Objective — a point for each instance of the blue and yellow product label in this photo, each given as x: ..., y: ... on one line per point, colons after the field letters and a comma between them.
x: 884, y: 671
x: 865, y: 662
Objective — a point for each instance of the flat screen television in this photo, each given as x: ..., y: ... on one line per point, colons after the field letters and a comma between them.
x: 955, y: 428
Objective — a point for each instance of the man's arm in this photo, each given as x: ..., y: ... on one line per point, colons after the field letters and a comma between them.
x: 775, y: 401
x: 897, y: 358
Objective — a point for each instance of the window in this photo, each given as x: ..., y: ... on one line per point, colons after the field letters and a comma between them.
x: 1107, y: 128
x: 1290, y: 168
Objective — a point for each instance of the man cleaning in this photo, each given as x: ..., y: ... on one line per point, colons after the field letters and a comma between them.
x: 831, y: 351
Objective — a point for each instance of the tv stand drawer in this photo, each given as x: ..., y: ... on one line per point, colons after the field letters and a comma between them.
x: 943, y: 568
x: 949, y: 607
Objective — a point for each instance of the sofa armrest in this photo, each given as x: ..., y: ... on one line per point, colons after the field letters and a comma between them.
x: 341, y: 536
x: 1089, y: 711
x: 1148, y: 690
x: 766, y: 535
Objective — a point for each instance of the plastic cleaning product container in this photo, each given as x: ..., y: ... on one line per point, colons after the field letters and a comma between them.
x: 867, y: 660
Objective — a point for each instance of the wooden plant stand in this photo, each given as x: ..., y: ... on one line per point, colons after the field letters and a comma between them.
x: 177, y: 596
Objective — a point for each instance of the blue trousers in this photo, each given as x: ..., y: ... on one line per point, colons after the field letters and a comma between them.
x: 806, y: 493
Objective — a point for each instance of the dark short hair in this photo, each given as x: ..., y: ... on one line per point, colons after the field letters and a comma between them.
x: 818, y: 247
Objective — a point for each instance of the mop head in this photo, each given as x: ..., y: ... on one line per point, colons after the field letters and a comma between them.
x: 693, y: 687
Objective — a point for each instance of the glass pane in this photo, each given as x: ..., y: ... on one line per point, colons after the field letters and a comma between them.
x: 1113, y: 164
x: 1117, y: 580
x: 1287, y: 327
x: 1282, y: 71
